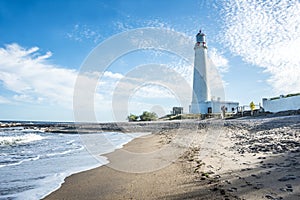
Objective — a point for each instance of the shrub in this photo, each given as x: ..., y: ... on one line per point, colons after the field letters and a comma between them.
x: 148, y: 116
x: 132, y: 117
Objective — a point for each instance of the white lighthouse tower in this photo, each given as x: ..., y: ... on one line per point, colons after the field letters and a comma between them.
x: 200, y: 83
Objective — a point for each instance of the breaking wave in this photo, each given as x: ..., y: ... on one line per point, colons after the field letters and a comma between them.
x: 19, y: 162
x: 17, y: 140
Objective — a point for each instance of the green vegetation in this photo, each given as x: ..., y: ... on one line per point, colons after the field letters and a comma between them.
x: 291, y: 95
x: 146, y: 116
x: 205, y: 174
x: 132, y: 118
x: 274, y: 98
x: 286, y: 96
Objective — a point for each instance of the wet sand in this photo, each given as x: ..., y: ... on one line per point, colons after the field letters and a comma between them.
x: 249, y: 158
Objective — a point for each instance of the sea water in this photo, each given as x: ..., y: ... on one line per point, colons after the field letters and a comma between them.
x: 34, y: 163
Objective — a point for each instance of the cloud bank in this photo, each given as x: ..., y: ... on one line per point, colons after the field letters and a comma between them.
x: 266, y: 34
x: 28, y: 75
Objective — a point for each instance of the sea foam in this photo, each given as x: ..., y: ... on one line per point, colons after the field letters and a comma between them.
x: 22, y: 139
x: 42, y: 160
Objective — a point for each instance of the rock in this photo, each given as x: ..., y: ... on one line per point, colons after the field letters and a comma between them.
x: 268, y: 196
x: 256, y: 176
x: 287, y: 178
x: 289, y: 190
x: 270, y: 165
x: 261, y: 158
x: 282, y: 189
x: 279, y: 148
x: 248, y: 183
x: 233, y: 189
x: 246, y: 169
x: 258, y: 186
x: 217, y: 176
x: 222, y: 191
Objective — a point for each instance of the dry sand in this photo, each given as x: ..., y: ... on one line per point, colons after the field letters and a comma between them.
x: 250, y: 158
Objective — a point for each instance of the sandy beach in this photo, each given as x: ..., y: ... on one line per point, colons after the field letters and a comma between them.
x: 246, y: 158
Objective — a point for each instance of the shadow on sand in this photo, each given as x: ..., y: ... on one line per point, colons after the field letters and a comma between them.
x: 276, y: 175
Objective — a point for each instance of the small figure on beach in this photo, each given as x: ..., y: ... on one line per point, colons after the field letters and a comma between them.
x: 252, y: 107
x: 223, y: 109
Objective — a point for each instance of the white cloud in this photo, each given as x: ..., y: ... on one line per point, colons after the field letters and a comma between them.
x: 219, y: 60
x: 108, y: 74
x: 184, y: 69
x: 83, y: 32
x: 131, y: 23
x: 32, y: 79
x: 153, y: 91
x: 121, y: 26
x: 266, y: 34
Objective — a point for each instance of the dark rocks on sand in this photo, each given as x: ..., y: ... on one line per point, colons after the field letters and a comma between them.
x: 287, y: 178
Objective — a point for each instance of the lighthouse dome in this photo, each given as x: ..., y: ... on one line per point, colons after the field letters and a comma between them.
x: 200, y: 37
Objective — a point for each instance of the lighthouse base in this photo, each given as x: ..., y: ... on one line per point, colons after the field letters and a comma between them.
x: 213, y: 107
x: 197, y: 108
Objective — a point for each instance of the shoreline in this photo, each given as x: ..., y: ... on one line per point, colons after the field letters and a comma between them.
x: 113, y: 179
x: 252, y: 159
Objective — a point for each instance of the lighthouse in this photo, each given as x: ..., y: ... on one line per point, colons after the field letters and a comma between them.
x: 200, y: 83
x: 201, y: 102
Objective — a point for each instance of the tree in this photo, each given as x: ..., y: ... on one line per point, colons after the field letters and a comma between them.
x: 148, y: 116
x: 132, y: 117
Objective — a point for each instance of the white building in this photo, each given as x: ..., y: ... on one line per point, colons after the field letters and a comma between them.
x: 200, y: 101
x: 282, y: 103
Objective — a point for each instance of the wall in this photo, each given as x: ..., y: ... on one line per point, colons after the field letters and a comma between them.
x: 216, y: 106
x: 282, y: 104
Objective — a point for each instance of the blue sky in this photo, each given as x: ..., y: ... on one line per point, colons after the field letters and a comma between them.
x: 43, y: 45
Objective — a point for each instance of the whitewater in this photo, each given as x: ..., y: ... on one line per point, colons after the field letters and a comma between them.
x: 34, y: 163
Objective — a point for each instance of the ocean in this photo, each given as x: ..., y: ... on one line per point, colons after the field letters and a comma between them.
x: 34, y: 163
